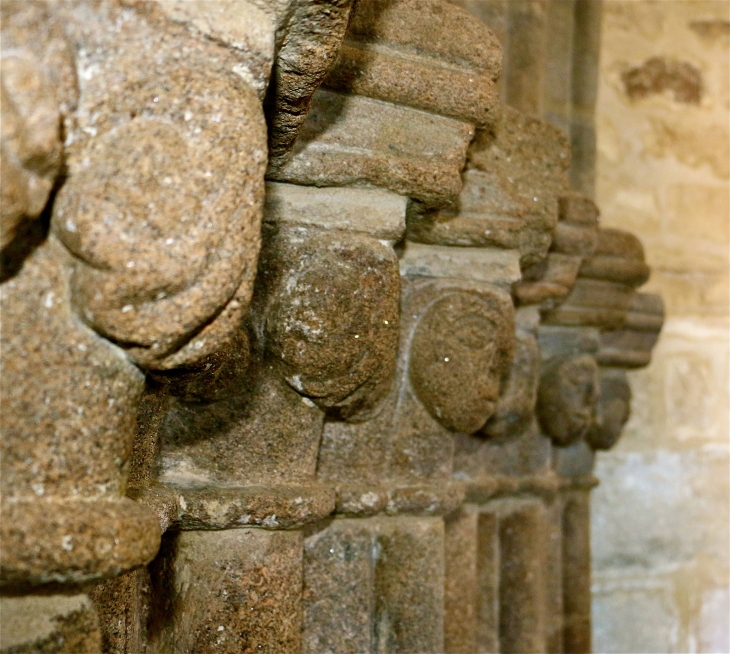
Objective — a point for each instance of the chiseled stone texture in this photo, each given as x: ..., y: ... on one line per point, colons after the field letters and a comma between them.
x: 338, y: 591
x: 227, y: 591
x: 401, y: 102
x: 514, y: 175
x: 397, y: 50
x: 371, y: 211
x: 409, y: 585
x: 661, y: 512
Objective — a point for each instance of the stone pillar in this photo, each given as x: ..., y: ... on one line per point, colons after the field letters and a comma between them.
x: 577, y: 572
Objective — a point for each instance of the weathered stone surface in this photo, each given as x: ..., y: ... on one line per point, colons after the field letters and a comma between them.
x: 557, y: 341
x: 488, y: 581
x: 424, y: 500
x: 56, y: 442
x: 549, y: 282
x: 619, y: 257
x: 74, y: 541
x: 328, y: 306
x: 319, y: 388
x: 515, y: 174
x: 520, y: 455
x: 177, y: 173
x: 271, y: 507
x: 212, y: 506
x: 631, y: 346
x: 409, y: 563
x: 49, y: 624
x: 339, y: 592
x: 574, y: 238
x: 460, y: 590
x: 567, y: 397
x: 516, y: 404
x: 448, y: 327
x: 123, y: 608
x: 248, y: 28
x: 267, y: 433
x: 612, y: 409
x: 378, y: 213
x: 39, y: 87
x: 577, y: 572
x: 228, y: 591
x: 310, y: 33
x: 460, y: 335
x: 593, y: 303
x: 498, y: 267
x: 284, y: 48
x: 352, y: 140
x: 554, y: 576
x: 522, y: 590
x: 395, y: 50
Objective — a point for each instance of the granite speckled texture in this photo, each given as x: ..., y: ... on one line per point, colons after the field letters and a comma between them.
x: 307, y: 343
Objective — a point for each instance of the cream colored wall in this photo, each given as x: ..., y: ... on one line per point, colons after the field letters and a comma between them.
x: 660, y: 516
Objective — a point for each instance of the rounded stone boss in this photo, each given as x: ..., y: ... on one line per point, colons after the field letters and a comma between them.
x: 460, y: 352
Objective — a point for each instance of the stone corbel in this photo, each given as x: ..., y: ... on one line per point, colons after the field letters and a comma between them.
x: 154, y: 239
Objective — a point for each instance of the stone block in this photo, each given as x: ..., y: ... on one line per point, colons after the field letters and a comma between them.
x: 577, y: 209
x: 123, y: 608
x: 461, y: 586
x: 310, y: 37
x: 338, y: 593
x: 454, y: 77
x: 227, y: 591
x: 491, y: 265
x: 576, y: 585
x: 409, y: 585
x: 471, y: 622
x: 326, y: 315
x: 593, y: 303
x: 576, y: 460
x: 523, y: 540
x: 515, y: 174
x: 353, y: 453
x: 494, y: 14
x: 51, y: 541
x: 566, y: 398
x: 352, y: 140
x: 518, y: 396
x: 569, y: 238
x: 266, y: 434
x: 548, y: 283
x: 281, y: 506
x: 375, y: 212
x: 555, y: 341
x: 612, y: 409
x: 555, y: 608
x: 460, y: 331
x: 488, y: 582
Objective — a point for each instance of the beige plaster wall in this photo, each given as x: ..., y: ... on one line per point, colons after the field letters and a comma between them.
x: 660, y: 516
